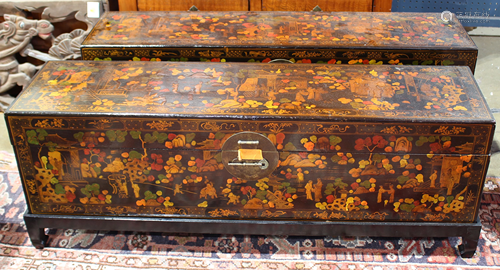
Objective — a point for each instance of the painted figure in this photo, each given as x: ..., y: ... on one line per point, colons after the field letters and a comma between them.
x: 317, y: 190
x: 209, y: 190
x: 309, y: 189
x: 389, y: 191
x: 433, y: 178
x: 119, y: 184
x: 177, y: 189
x: 197, y: 88
x: 233, y: 199
x: 450, y: 173
x: 56, y: 161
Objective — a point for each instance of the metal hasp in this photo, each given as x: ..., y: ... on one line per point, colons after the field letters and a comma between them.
x: 249, y: 155
x: 316, y: 9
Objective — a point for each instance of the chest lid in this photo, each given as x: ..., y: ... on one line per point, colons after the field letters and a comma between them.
x: 255, y: 91
x: 365, y: 30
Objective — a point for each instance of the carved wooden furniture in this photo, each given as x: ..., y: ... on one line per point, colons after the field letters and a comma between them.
x: 334, y: 38
x: 242, y: 147
x: 55, y: 10
x: 16, y: 33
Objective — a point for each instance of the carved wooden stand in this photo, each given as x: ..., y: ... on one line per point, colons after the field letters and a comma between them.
x: 469, y: 232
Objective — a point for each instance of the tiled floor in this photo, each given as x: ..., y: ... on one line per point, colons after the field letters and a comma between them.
x: 487, y: 75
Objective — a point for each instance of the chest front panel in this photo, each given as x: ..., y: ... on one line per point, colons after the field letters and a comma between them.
x: 327, y: 170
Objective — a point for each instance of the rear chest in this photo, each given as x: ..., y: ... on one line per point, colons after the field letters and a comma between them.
x: 334, y: 38
x: 252, y: 141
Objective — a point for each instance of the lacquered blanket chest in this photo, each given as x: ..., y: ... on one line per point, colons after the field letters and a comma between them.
x: 241, y: 141
x: 344, y: 37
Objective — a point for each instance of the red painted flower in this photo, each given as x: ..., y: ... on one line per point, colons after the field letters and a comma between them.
x: 330, y: 198
x: 360, y: 144
x: 70, y: 196
x: 217, y: 144
x: 379, y: 141
x: 171, y: 136
x: 155, y: 83
x: 199, y: 162
x: 157, y: 166
x: 248, y: 189
x: 354, y: 186
x: 248, y: 25
x: 435, y: 147
x: 368, y: 141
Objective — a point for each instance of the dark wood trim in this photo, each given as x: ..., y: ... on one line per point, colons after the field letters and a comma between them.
x: 468, y: 231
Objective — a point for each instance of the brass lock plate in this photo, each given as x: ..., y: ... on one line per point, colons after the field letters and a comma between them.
x: 249, y: 155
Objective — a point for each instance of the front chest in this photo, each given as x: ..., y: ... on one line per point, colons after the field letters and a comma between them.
x: 254, y: 141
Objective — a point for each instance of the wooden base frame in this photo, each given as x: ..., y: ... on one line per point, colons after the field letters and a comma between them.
x: 469, y: 232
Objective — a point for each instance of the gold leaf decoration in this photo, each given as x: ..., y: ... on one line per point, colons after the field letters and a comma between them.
x: 160, y: 125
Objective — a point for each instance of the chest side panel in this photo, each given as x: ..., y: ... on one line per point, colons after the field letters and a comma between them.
x: 326, y: 170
